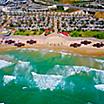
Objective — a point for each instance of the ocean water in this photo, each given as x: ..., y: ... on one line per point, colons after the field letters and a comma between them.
x: 31, y: 76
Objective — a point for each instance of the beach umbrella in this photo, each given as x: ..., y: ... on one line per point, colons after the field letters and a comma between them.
x: 98, y: 45
x: 85, y: 42
x: 31, y: 41
x: 75, y: 45
x: 19, y: 44
x: 102, y: 44
x: 9, y: 41
x: 6, y: 41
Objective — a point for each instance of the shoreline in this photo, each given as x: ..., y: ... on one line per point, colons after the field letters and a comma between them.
x: 53, y: 43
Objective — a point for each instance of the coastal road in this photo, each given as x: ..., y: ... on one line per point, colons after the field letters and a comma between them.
x: 55, y: 25
x: 82, y: 8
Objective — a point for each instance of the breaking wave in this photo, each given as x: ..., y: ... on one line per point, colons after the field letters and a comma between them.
x: 4, y: 63
x: 100, y: 87
x: 27, y: 49
x: 28, y: 77
x: 8, y: 78
x: 46, y: 81
x: 99, y: 60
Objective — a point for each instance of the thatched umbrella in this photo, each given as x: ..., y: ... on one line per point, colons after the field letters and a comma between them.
x: 98, y: 45
x: 102, y: 44
x: 85, y: 42
x: 75, y: 45
x: 31, y: 41
x: 19, y: 44
x: 9, y: 41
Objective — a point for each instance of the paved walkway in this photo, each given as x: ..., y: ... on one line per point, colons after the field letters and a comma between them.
x: 55, y: 25
x: 5, y: 24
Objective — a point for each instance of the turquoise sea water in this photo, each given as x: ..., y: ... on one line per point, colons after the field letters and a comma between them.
x: 30, y: 76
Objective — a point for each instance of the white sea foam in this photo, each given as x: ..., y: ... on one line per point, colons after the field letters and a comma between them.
x: 24, y: 88
x: 100, y: 87
x: 99, y: 74
x: 55, y: 75
x: 63, y: 53
x: 81, y: 68
x: 71, y: 86
x: 32, y: 49
x: 99, y: 77
x: 22, y: 68
x: 89, y: 103
x: 7, y: 79
x: 6, y: 57
x: 4, y: 63
x: 46, y: 81
x: 72, y: 70
x: 51, y: 50
x: 23, y: 64
x: 27, y: 49
x: 99, y: 60
x: 67, y: 70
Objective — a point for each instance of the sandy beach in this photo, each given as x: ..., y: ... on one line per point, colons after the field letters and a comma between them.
x: 57, y: 43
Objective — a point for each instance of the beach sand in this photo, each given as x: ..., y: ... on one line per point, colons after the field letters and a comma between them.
x: 57, y: 43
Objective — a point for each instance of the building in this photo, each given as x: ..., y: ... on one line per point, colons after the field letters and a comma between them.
x: 20, y: 1
x: 3, y: 2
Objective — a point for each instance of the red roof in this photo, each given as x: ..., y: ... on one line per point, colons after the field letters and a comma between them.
x: 48, y: 30
x: 65, y: 33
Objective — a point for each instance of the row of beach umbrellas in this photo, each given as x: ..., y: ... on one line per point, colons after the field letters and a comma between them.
x: 86, y: 42
x: 98, y: 45
x: 20, y: 44
x: 74, y: 45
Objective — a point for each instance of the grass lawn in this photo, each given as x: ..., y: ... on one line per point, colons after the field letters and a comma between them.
x: 28, y: 32
x: 96, y: 34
